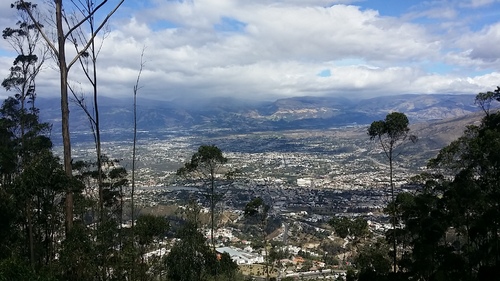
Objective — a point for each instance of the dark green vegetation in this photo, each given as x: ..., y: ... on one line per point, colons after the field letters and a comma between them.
x: 36, y: 245
x: 257, y: 212
x: 450, y: 229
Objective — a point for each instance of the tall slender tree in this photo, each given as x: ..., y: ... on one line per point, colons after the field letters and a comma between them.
x: 19, y: 120
x: 391, y: 133
x: 31, y: 54
x: 258, y: 211
x: 206, y: 165
x: 88, y: 63
x: 59, y: 50
x: 136, y: 90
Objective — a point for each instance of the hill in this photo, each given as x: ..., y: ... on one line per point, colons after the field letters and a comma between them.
x: 242, y: 116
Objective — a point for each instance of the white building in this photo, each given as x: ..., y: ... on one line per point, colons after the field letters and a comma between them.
x: 241, y: 257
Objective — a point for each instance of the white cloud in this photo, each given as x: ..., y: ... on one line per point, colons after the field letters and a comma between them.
x: 478, y: 3
x: 278, y: 49
x: 483, y: 44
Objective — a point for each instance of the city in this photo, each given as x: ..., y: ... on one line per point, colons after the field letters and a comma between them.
x: 307, y: 177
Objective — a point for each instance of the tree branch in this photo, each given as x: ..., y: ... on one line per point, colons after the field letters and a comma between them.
x: 95, y: 33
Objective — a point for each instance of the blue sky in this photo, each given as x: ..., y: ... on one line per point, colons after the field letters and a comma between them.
x: 263, y: 49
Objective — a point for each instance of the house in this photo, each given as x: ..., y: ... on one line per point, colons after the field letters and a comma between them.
x: 241, y: 257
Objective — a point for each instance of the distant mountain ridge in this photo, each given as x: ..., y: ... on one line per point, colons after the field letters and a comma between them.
x: 246, y: 116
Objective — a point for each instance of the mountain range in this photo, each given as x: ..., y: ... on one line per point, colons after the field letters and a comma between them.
x: 236, y: 115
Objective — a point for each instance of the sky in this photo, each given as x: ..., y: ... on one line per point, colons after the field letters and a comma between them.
x: 266, y: 50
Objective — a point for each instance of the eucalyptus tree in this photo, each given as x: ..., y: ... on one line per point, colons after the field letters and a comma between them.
x: 148, y: 229
x: 107, y: 232
x: 88, y: 63
x: 391, y: 133
x: 344, y: 227
x: 58, y: 49
x: 134, y: 156
x: 257, y: 211
x: 192, y: 259
x: 24, y: 139
x: 471, y: 198
x: 206, y: 165
x: 450, y: 227
x: 20, y: 152
x: 25, y: 40
x: 484, y: 100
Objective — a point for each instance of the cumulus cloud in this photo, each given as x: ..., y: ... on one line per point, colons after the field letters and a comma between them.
x: 265, y: 50
x: 482, y: 44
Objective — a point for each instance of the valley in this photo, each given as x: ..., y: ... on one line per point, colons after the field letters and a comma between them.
x: 306, y: 176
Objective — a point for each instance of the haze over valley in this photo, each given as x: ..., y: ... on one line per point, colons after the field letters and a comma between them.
x: 312, y: 142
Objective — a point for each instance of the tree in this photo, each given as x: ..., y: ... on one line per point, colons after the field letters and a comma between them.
x: 484, y: 100
x: 191, y: 259
x: 26, y: 148
x: 78, y: 255
x: 109, y: 237
x: 344, y: 227
x: 136, y: 89
x: 25, y: 145
x: 471, y: 195
x: 59, y: 50
x: 205, y: 165
x: 450, y: 227
x: 391, y: 133
x: 88, y: 63
x: 24, y: 39
x: 257, y: 212
x: 148, y: 229
x: 373, y: 262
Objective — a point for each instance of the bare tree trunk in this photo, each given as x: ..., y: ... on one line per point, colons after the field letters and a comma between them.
x: 61, y: 39
x: 212, y: 209
x: 30, y: 234
x: 394, y: 244
x: 60, y: 53
x: 93, y: 116
x: 136, y: 89
x: 132, y: 210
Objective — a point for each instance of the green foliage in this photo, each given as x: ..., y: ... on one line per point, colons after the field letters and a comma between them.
x: 373, y: 260
x: 8, y: 230
x: 24, y: 39
x: 256, y: 207
x: 391, y: 133
x: 350, y: 275
x: 192, y: 259
x: 32, y: 181
x: 256, y: 214
x: 78, y: 255
x: 450, y: 229
x: 344, y: 227
x: 149, y: 227
x: 484, y: 100
x: 204, y: 163
x: 394, y: 127
x: 19, y: 270
x: 226, y: 266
